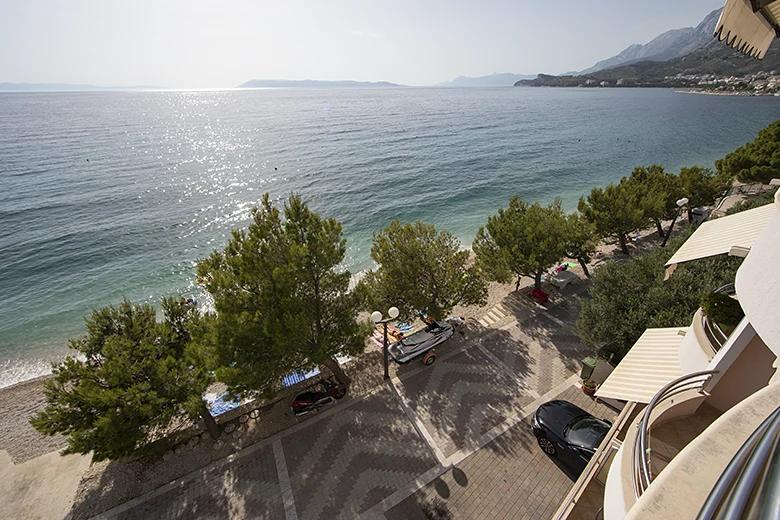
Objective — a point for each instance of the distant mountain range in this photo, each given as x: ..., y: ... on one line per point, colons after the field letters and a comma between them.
x: 717, y: 59
x: 506, y: 79
x: 669, y: 45
x: 312, y: 83
x: 708, y: 57
x: 63, y: 87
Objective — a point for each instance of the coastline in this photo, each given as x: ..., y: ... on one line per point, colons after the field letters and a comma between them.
x: 717, y: 93
x: 133, y: 477
x: 18, y: 403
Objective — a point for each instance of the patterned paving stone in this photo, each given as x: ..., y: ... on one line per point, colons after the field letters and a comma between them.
x: 348, y: 462
x: 248, y: 488
x: 541, y: 354
x: 462, y: 397
x: 509, y: 478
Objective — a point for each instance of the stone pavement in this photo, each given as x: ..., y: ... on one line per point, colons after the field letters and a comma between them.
x: 510, y: 477
x: 452, y: 438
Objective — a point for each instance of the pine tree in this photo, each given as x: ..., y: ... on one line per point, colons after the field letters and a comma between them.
x: 522, y: 240
x: 421, y: 270
x: 616, y: 211
x: 756, y: 161
x: 282, y: 300
x: 131, y: 379
x: 661, y: 191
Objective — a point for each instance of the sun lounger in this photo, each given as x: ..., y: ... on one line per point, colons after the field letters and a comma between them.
x: 539, y: 295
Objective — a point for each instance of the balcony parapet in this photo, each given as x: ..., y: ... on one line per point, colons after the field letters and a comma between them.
x: 681, y: 489
x: 642, y: 477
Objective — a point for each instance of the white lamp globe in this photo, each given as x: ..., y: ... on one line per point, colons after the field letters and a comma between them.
x: 376, y: 316
x: 393, y: 312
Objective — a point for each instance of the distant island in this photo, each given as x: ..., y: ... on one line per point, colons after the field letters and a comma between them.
x: 312, y: 83
x: 65, y: 87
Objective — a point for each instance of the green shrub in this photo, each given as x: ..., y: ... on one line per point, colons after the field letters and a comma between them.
x: 627, y: 298
x: 722, y: 309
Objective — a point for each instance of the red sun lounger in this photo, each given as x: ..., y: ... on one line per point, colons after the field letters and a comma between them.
x: 539, y: 295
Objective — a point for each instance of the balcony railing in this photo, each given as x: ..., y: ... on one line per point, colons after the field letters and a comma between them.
x: 641, y: 453
x: 712, y: 330
x: 609, y: 445
x: 750, y: 485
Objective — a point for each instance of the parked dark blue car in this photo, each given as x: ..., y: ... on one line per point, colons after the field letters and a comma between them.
x: 565, y: 430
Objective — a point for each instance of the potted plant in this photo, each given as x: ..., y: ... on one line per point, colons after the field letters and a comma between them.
x: 589, y: 387
x: 723, y: 310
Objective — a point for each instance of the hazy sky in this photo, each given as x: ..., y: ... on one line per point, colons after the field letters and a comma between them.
x: 222, y: 43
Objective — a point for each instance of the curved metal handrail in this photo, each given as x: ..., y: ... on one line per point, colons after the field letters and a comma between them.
x: 714, y: 333
x: 728, y: 289
x: 641, y: 452
x: 748, y: 487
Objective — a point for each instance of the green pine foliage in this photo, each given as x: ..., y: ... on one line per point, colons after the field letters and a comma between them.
x: 421, y: 269
x: 580, y: 240
x: 661, y: 191
x: 281, y: 298
x: 522, y: 240
x: 616, y: 211
x: 756, y: 161
x: 702, y: 187
x: 627, y: 298
x: 131, y: 378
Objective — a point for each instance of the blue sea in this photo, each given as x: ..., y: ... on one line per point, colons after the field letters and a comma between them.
x: 105, y: 195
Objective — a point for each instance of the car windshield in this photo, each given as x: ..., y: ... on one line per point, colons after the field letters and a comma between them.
x: 586, y: 431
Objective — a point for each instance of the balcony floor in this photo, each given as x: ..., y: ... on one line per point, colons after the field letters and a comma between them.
x: 668, y: 439
x: 590, y: 504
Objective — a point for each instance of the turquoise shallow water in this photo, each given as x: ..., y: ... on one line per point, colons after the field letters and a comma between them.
x: 112, y: 194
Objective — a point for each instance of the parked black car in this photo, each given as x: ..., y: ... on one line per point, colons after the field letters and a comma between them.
x: 565, y: 430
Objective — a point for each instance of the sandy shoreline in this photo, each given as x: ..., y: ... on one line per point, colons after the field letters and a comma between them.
x: 17, y: 404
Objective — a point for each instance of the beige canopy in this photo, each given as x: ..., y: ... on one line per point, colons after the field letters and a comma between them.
x: 652, y: 363
x: 749, y: 25
x: 732, y: 234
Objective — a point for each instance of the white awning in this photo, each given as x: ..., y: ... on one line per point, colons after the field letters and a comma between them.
x: 730, y: 234
x: 652, y: 362
x: 748, y: 31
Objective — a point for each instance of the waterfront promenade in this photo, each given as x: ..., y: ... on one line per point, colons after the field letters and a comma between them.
x: 451, y: 440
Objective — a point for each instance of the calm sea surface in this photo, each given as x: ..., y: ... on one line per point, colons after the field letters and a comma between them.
x: 105, y: 195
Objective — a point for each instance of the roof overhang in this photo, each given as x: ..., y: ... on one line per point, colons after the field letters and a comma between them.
x: 652, y: 363
x: 749, y: 25
x: 732, y: 234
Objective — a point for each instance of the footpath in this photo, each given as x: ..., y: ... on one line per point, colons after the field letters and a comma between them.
x: 451, y: 440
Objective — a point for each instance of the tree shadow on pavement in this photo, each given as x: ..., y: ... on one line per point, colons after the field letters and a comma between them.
x: 552, y: 337
x: 462, y: 397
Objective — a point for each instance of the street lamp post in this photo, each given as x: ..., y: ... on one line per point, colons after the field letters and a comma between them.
x: 680, y: 203
x: 376, y: 317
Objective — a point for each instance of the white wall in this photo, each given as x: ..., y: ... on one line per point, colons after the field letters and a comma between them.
x: 692, y: 357
x: 758, y: 283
